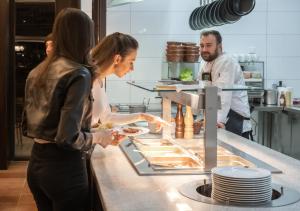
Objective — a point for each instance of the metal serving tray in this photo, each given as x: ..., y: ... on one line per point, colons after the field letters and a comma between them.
x: 163, y: 157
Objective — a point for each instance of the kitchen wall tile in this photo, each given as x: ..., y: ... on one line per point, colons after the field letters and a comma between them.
x: 240, y: 44
x: 147, y: 68
x: 138, y: 95
x: 169, y: 23
x: 118, y: 91
x: 166, y: 5
x: 283, y: 5
x: 283, y: 45
x: 253, y: 23
x: 260, y: 5
x: 125, y: 7
x: 285, y: 68
x: 118, y: 22
x: 283, y: 22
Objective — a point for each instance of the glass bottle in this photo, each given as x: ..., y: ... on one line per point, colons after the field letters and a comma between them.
x: 282, y: 100
x: 188, y: 123
x: 179, y: 121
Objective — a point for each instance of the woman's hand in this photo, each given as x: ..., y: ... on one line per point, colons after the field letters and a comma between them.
x: 106, y: 137
x: 117, y: 138
x: 103, y: 137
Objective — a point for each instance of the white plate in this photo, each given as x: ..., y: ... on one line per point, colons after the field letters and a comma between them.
x: 242, y: 201
x: 142, y: 130
x: 241, y: 185
x: 241, y: 172
x: 242, y: 180
x: 243, y: 196
x: 243, y: 191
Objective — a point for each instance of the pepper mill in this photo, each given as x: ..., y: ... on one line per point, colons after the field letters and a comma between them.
x: 188, y: 123
x: 179, y: 120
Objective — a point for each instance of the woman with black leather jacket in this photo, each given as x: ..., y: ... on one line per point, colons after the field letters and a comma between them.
x: 58, y: 105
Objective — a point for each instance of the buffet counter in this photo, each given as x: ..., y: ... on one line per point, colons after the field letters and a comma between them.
x: 278, y: 128
x: 119, y: 186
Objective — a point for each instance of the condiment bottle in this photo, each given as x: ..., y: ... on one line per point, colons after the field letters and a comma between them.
x: 188, y: 123
x: 179, y: 121
x: 282, y: 100
x: 288, y: 96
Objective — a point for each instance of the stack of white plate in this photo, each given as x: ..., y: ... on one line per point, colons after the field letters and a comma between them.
x: 241, y: 185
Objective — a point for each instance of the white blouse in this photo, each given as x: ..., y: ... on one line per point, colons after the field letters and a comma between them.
x: 102, y: 112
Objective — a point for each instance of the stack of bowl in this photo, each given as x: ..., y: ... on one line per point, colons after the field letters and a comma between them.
x: 182, y: 52
x: 191, y: 52
x: 174, y: 51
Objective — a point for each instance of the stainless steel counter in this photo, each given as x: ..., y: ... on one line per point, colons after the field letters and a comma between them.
x: 268, y: 108
x: 121, y: 188
x: 272, y: 108
x: 278, y: 128
x: 295, y: 109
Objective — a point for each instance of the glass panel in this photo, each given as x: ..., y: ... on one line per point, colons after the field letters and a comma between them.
x: 162, y: 86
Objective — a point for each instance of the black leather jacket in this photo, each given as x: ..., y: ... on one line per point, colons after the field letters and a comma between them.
x: 61, y: 112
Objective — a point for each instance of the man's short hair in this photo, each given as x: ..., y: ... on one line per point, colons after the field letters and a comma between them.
x: 214, y: 33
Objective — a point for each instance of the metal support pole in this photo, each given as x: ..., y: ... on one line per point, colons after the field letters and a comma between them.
x: 210, y: 136
x: 166, y: 116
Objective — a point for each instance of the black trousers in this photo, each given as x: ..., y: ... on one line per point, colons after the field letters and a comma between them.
x: 58, y: 178
x: 234, y: 124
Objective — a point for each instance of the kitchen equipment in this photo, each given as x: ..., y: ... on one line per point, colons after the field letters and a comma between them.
x: 137, y: 108
x: 217, y: 13
x: 270, y: 96
x: 242, y: 7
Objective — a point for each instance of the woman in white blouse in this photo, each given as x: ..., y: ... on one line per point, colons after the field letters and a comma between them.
x: 115, y: 54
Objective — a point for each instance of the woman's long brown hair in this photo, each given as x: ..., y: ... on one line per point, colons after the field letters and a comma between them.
x: 117, y: 43
x: 73, y: 38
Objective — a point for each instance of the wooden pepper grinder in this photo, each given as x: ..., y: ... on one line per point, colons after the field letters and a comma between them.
x: 188, y: 123
x: 179, y: 120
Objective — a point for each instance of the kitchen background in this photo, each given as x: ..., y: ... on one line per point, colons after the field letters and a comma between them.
x: 271, y: 28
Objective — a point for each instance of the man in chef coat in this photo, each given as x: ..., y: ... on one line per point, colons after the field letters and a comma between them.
x: 222, y: 70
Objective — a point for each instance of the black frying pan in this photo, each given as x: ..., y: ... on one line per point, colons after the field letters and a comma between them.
x: 191, y: 20
x: 242, y: 7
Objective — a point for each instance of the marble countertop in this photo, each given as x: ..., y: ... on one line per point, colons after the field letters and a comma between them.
x: 121, y: 188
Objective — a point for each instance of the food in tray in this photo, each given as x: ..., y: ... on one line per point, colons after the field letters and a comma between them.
x: 173, y: 162
x: 165, y: 142
x: 131, y: 130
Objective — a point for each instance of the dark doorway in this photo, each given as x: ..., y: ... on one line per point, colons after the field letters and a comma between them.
x: 34, y: 20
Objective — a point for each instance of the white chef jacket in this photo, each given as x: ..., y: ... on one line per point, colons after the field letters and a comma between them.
x: 226, y: 71
x: 102, y: 111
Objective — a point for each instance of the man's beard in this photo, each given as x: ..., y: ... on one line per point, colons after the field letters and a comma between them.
x: 209, y: 57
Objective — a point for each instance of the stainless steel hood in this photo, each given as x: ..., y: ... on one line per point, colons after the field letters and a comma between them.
x: 114, y: 3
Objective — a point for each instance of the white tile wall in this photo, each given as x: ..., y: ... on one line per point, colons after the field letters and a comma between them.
x: 272, y: 28
x: 118, y: 21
